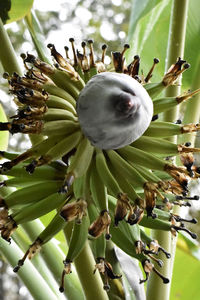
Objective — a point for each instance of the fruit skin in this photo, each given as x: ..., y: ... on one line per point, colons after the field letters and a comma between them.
x: 113, y: 110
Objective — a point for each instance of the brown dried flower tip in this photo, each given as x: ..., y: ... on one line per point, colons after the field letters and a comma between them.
x: 136, y: 215
x: 33, y: 250
x: 187, y: 160
x: 174, y: 71
x: 154, y: 247
x: 8, y: 228
x: 4, y: 218
x: 122, y: 208
x: 179, y: 174
x: 66, y: 271
x: 151, y: 192
x: 119, y: 59
x: 148, y: 267
x: 74, y: 211
x: 133, y: 67
x: 105, y: 268
x: 42, y: 66
x: 149, y: 75
x: 100, y: 225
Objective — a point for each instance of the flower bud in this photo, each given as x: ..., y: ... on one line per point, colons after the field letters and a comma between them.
x: 114, y: 110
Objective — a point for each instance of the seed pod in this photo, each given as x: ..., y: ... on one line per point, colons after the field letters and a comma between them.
x: 114, y: 110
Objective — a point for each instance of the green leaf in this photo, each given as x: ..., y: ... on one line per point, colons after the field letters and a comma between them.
x: 188, y: 245
x: 185, y: 281
x: 139, y: 9
x: 4, y: 135
x: 150, y: 41
x: 14, y: 10
x: 38, y: 37
x: 148, y: 35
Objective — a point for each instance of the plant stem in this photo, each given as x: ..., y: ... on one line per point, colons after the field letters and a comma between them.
x: 92, y: 283
x: 176, y: 41
x: 7, y: 53
x: 29, y: 275
x: 192, y: 108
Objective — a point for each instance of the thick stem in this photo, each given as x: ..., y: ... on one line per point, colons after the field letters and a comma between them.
x: 91, y: 283
x: 192, y: 108
x: 176, y: 41
x: 7, y: 53
x: 85, y: 264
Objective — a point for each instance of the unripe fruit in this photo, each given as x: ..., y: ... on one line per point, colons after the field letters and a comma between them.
x: 113, y: 110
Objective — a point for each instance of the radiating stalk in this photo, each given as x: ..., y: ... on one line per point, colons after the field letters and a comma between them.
x: 7, y: 54
x: 176, y: 41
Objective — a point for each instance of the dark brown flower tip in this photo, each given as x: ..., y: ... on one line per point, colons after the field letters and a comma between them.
x: 136, y: 215
x: 174, y: 72
x: 155, y: 248
x: 181, y: 228
x: 6, y: 75
x: 7, y: 227
x: 104, y: 46
x: 74, y: 211
x: 150, y: 192
x: 150, y: 73
x: 133, y: 67
x: 106, y: 270
x: 148, y: 268
x: 187, y: 160
x: 122, y: 208
x: 41, y: 65
x: 66, y: 271
x: 195, y: 197
x: 180, y: 174
x: 33, y: 249
x: 100, y: 225
x: 179, y: 219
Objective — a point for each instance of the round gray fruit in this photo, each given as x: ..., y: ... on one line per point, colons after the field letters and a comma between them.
x: 113, y: 110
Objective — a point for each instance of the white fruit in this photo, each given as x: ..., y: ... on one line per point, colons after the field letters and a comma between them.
x: 113, y: 110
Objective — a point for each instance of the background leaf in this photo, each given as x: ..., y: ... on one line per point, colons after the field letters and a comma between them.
x: 139, y: 9
x: 4, y: 135
x: 185, y: 280
x: 14, y: 10
x: 154, y: 37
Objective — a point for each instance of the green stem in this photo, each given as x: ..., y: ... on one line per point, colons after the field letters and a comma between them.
x: 192, y: 108
x: 91, y: 283
x: 176, y: 41
x: 37, y: 36
x: 35, y: 283
x: 54, y: 257
x: 7, y: 53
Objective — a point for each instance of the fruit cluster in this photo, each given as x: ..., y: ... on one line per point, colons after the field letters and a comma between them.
x: 114, y: 190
